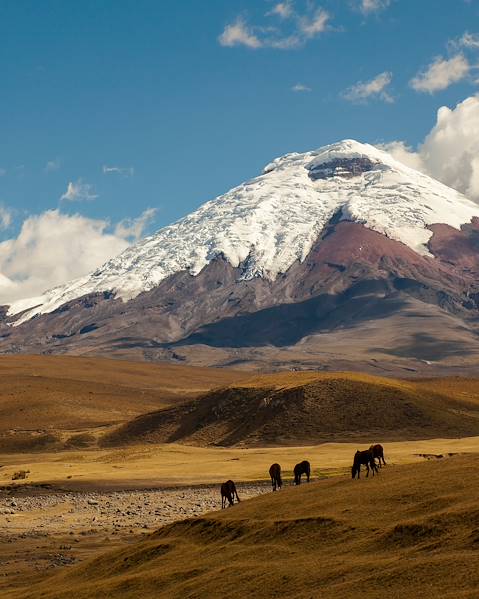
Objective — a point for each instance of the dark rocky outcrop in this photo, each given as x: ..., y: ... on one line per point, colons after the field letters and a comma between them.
x: 342, y: 167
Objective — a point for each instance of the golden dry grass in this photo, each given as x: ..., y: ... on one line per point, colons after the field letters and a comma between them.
x: 60, y: 393
x: 141, y: 466
x: 292, y: 408
x: 412, y: 531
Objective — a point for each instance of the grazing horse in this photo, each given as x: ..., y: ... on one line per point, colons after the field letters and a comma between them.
x: 275, y: 473
x: 228, y: 492
x: 363, y: 457
x: 303, y: 467
x: 378, y: 452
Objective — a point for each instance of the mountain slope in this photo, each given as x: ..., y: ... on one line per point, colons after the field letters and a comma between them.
x: 267, y: 224
x: 321, y: 243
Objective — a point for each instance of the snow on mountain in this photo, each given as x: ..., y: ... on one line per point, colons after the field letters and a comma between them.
x: 268, y: 223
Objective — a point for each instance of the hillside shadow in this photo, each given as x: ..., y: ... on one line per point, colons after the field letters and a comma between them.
x: 287, y: 324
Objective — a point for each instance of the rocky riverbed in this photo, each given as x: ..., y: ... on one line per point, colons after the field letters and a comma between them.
x: 44, y: 529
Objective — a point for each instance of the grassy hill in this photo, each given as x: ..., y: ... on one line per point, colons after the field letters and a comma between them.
x: 412, y: 531
x: 42, y: 396
x: 308, y: 407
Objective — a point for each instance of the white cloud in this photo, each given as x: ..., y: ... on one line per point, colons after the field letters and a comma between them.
x: 467, y: 40
x: 284, y: 10
x: 127, y: 171
x: 3, y: 172
x: 450, y: 151
x: 313, y: 26
x: 52, y: 165
x: 441, y: 73
x: 52, y: 248
x: 78, y: 192
x: 6, y: 217
x: 375, y: 88
x: 239, y: 34
x: 301, y: 28
x: 371, y: 6
x: 405, y: 154
x: 134, y: 228
x: 300, y: 87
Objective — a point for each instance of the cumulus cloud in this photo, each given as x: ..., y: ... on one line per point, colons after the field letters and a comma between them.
x: 371, y: 6
x: 313, y: 25
x: 302, y: 27
x: 239, y: 34
x: 78, y: 192
x: 127, y: 171
x: 284, y: 10
x: 441, y: 73
x: 52, y: 248
x: 6, y: 217
x: 467, y: 40
x: 375, y: 88
x: 134, y: 228
x: 450, y: 151
x: 300, y: 87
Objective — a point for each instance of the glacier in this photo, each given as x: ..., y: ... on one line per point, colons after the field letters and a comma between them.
x: 271, y: 221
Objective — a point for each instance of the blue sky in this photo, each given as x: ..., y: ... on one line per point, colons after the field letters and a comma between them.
x: 142, y: 104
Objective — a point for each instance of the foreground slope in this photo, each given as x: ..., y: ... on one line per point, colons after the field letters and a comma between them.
x: 410, y: 532
x: 309, y: 407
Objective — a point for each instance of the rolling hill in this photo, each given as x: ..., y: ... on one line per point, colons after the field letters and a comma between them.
x: 301, y: 408
x: 42, y: 398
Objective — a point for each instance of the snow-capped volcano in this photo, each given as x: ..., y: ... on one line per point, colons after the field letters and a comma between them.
x: 267, y: 224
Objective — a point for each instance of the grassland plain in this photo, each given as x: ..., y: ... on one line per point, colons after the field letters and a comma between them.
x: 95, y: 483
x: 47, y: 400
x: 412, y: 531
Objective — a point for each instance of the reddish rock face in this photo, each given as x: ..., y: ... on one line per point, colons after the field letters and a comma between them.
x: 457, y: 248
x: 352, y: 275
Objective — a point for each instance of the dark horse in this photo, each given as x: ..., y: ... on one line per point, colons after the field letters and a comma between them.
x: 275, y: 473
x: 303, y: 467
x: 228, y: 492
x: 363, y: 457
x: 378, y: 452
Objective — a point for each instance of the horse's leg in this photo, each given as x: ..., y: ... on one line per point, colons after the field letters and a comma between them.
x: 367, y: 470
